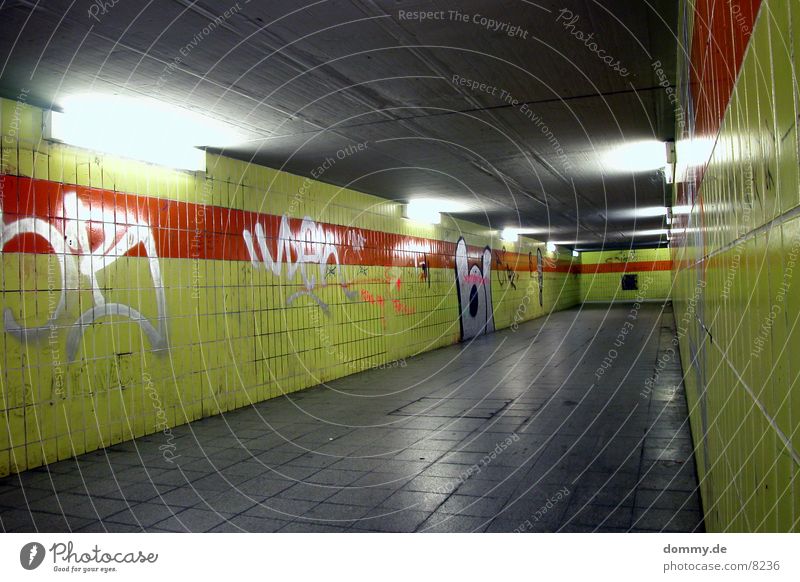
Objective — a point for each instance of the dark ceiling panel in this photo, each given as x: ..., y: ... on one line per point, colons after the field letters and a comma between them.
x: 302, y: 81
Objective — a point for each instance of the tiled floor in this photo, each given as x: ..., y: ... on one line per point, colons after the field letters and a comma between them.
x: 511, y: 432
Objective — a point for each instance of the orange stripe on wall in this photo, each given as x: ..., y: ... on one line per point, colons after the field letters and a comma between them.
x: 630, y: 267
x: 722, y: 29
x: 196, y: 231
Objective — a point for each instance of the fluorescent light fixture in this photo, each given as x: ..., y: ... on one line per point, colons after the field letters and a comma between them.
x: 143, y: 129
x: 649, y: 211
x: 650, y: 232
x: 681, y: 209
x: 638, y: 212
x: 510, y: 235
x: 691, y: 154
x: 551, y: 247
x: 669, y: 173
x: 429, y: 210
x: 420, y: 214
x: 576, y: 254
x: 640, y: 156
x: 669, y: 166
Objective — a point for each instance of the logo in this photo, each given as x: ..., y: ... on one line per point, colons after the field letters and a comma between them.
x: 31, y: 555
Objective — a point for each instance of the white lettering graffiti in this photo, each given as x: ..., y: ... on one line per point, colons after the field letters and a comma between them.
x: 312, y: 245
x: 356, y: 240
x: 81, y: 254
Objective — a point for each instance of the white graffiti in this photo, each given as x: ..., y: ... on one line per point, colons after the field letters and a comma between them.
x: 78, y: 257
x: 356, y: 240
x: 474, y: 285
x: 312, y: 245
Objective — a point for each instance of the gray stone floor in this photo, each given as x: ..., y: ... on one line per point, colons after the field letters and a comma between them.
x: 510, y: 432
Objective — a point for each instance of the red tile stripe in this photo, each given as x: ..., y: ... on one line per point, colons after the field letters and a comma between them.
x: 629, y: 267
x: 722, y: 29
x: 194, y: 231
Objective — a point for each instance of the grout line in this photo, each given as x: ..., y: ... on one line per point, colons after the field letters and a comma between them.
x: 766, y: 227
x: 786, y: 441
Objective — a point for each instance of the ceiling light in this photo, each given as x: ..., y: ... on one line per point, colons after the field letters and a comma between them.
x: 650, y: 211
x: 429, y: 210
x: 640, y: 156
x: 650, y: 232
x: 510, y: 235
x: 513, y: 232
x: 669, y: 165
x: 551, y: 247
x: 681, y: 209
x: 421, y: 213
x: 142, y: 129
x: 691, y: 154
x: 640, y: 212
x: 575, y: 254
x: 669, y: 173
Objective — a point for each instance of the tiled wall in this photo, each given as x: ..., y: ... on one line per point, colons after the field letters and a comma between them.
x: 649, y: 270
x: 136, y: 298
x: 736, y: 289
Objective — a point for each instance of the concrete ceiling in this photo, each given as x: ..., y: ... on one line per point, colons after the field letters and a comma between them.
x: 305, y: 80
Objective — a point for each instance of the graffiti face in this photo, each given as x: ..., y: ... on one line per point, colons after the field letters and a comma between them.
x: 473, y: 283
